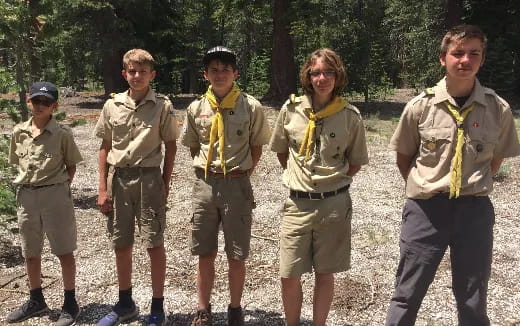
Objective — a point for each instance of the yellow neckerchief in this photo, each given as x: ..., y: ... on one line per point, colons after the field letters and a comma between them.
x: 338, y: 104
x: 217, y: 124
x: 456, y: 163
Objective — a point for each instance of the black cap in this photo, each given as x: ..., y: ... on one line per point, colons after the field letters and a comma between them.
x: 44, y: 89
x: 219, y: 52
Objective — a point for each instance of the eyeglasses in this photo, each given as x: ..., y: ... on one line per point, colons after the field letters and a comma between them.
x: 43, y: 101
x: 135, y: 72
x: 326, y: 73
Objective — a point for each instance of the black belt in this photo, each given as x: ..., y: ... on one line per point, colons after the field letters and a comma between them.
x: 218, y: 175
x: 317, y: 195
x: 29, y: 186
x: 134, y: 171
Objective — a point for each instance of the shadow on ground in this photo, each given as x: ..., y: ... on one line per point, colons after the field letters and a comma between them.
x: 85, y: 201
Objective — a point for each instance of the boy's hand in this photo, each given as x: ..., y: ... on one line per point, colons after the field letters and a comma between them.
x: 166, y: 193
x: 104, y: 203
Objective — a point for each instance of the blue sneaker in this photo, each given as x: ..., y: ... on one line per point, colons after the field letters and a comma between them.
x: 119, y: 315
x: 156, y: 318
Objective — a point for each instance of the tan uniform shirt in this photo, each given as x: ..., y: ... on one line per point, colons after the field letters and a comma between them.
x: 428, y: 132
x: 244, y: 126
x: 339, y: 142
x: 136, y: 132
x: 42, y: 160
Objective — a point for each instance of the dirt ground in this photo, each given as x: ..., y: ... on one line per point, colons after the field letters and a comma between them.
x: 362, y: 293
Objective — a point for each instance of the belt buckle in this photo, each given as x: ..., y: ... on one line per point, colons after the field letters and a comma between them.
x: 315, y: 195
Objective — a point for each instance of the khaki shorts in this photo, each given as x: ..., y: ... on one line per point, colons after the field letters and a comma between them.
x: 138, y: 198
x: 315, y: 234
x: 49, y: 211
x: 222, y: 201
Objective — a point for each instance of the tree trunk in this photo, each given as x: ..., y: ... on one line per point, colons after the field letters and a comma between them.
x: 20, y: 80
x: 112, y: 78
x: 35, y: 29
x: 283, y: 70
x: 454, y: 11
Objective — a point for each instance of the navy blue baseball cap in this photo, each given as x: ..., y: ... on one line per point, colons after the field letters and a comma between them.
x: 44, y: 89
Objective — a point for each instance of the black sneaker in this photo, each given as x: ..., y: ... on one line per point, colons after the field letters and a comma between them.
x: 29, y: 309
x: 68, y: 318
x: 156, y: 318
x: 235, y: 316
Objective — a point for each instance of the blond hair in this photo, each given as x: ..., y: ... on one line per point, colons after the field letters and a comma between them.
x: 138, y: 56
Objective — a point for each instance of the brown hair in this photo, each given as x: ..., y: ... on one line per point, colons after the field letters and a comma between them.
x: 139, y: 56
x: 329, y: 58
x: 461, y: 32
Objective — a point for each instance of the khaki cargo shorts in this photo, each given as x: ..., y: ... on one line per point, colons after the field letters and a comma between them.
x: 46, y: 210
x: 226, y: 202
x: 315, y: 234
x: 138, y: 198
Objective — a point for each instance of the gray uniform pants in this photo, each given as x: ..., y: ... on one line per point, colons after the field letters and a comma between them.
x: 429, y: 226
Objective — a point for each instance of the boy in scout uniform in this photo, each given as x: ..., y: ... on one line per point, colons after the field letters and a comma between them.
x: 450, y: 141
x: 46, y: 156
x: 132, y: 189
x: 320, y: 142
x: 225, y: 131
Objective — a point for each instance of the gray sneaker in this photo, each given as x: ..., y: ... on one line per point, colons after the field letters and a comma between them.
x: 119, y: 315
x: 66, y: 318
x: 202, y: 317
x: 30, y: 308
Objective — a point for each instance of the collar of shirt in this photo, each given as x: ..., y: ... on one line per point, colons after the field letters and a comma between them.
x: 51, y: 126
x: 124, y: 98
x: 306, y: 102
x: 441, y: 94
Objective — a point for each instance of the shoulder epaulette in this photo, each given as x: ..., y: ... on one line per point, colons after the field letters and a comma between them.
x: 295, y: 99
x: 159, y: 95
x: 66, y: 128
x: 353, y: 108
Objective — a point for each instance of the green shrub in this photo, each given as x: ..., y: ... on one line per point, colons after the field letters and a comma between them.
x: 60, y: 116
x: 78, y: 122
x: 10, y: 107
x: 7, y: 191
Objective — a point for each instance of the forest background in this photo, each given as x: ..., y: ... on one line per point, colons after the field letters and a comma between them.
x: 385, y: 44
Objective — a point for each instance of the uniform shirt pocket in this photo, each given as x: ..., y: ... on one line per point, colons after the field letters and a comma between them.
x: 480, y: 144
x: 203, y: 125
x: 237, y: 127
x: 120, y: 129
x: 435, y: 146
